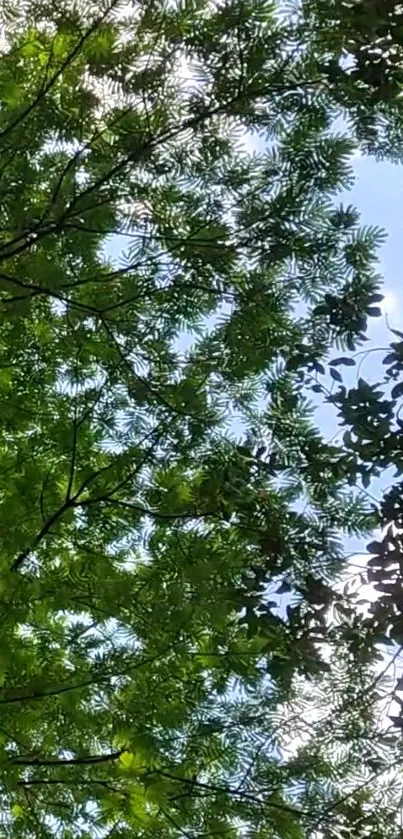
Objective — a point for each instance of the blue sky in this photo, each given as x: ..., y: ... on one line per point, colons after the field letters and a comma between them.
x: 378, y: 194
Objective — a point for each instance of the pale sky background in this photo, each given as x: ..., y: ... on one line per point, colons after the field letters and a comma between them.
x: 378, y: 195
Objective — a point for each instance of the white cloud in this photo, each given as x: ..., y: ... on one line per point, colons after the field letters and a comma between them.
x: 390, y: 304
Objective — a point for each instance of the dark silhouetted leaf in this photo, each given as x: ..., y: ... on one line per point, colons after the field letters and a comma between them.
x: 347, y: 362
x: 397, y: 391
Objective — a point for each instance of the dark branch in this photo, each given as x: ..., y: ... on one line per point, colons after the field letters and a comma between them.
x: 20, y: 559
x: 73, y: 761
x: 145, y: 511
x: 226, y: 790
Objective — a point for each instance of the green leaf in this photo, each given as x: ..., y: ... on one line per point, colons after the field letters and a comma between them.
x: 347, y: 362
x: 397, y: 391
x: 127, y: 760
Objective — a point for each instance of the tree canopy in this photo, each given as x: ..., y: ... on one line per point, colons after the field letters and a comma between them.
x: 172, y: 520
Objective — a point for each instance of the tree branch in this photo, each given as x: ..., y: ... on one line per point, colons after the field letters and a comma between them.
x: 73, y: 761
x: 104, y: 499
x: 20, y: 559
x: 224, y: 790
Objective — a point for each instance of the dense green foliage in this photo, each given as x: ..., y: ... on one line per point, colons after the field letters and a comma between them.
x: 171, y: 519
x: 374, y: 444
x: 359, y: 48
